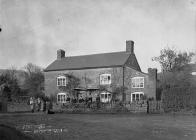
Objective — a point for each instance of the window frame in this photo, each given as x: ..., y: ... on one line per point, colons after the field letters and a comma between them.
x: 63, y: 97
x: 61, y: 81
x: 105, y: 97
x: 135, y: 94
x: 105, y: 75
x: 137, y: 83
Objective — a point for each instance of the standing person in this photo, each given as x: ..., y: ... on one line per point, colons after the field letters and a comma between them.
x: 42, y: 105
x: 98, y: 101
x: 47, y: 107
x: 32, y: 104
x: 39, y: 103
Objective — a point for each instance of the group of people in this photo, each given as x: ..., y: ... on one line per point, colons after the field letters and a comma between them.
x: 36, y: 104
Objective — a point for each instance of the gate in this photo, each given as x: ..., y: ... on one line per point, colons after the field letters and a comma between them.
x: 3, y: 105
x: 155, y: 107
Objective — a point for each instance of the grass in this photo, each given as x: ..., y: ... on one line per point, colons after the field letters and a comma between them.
x: 103, y: 126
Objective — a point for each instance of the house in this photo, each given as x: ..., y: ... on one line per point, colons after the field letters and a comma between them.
x: 100, y: 71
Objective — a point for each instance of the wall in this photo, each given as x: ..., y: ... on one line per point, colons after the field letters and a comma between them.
x: 179, y: 99
x: 18, y: 107
x: 149, y: 83
x: 92, y: 78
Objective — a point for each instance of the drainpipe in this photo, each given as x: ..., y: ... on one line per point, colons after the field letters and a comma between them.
x: 123, y: 97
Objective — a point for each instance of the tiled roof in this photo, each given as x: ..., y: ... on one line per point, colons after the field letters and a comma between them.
x: 90, y: 61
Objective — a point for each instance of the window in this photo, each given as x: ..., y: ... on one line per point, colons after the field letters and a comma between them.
x: 138, y: 82
x: 61, y: 81
x: 105, y: 79
x: 136, y: 96
x: 193, y: 73
x: 106, y: 97
x: 61, y: 97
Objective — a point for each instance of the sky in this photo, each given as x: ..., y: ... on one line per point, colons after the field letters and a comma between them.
x: 32, y: 31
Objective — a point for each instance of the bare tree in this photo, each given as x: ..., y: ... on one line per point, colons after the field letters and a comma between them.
x: 34, y: 80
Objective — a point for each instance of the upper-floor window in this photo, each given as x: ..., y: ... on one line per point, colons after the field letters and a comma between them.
x: 137, y: 82
x: 61, y: 81
x: 105, y: 79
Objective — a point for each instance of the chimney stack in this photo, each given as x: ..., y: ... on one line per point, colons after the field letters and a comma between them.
x: 152, y: 72
x: 130, y: 46
x: 60, y: 54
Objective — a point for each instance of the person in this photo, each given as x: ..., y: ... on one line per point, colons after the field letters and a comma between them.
x: 39, y: 103
x: 98, y: 101
x: 42, y: 106
x: 32, y: 104
x: 47, y: 107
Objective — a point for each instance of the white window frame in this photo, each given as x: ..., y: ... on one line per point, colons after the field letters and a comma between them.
x: 136, y: 82
x: 105, y: 97
x: 61, y: 97
x: 136, y: 93
x: 103, y: 79
x: 61, y: 81
x: 193, y: 73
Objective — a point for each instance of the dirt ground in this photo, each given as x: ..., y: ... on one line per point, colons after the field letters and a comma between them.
x: 103, y: 126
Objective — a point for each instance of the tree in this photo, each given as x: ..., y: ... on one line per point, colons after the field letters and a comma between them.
x: 182, y: 59
x: 171, y: 60
x: 34, y: 80
x: 166, y: 59
x: 172, y: 64
x: 9, y: 84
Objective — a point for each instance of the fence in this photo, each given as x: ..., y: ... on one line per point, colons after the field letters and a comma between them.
x: 178, y: 99
x: 155, y: 107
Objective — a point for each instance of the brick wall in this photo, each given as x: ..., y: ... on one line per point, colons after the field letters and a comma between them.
x: 92, y: 78
x: 149, y: 83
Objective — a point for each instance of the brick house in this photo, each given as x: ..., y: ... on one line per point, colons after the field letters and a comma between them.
x: 108, y: 70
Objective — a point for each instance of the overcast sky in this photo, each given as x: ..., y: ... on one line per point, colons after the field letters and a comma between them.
x: 32, y: 30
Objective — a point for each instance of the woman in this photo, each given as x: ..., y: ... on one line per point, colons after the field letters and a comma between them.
x: 32, y: 104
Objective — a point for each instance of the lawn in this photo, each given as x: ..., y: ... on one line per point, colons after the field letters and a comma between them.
x: 103, y: 126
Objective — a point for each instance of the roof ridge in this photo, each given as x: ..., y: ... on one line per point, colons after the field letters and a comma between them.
x: 97, y: 54
x: 100, y: 60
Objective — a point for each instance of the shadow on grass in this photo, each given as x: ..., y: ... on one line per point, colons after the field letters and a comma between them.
x: 10, y: 133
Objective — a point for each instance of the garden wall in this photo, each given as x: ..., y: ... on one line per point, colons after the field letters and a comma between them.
x: 18, y: 107
x: 136, y: 107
